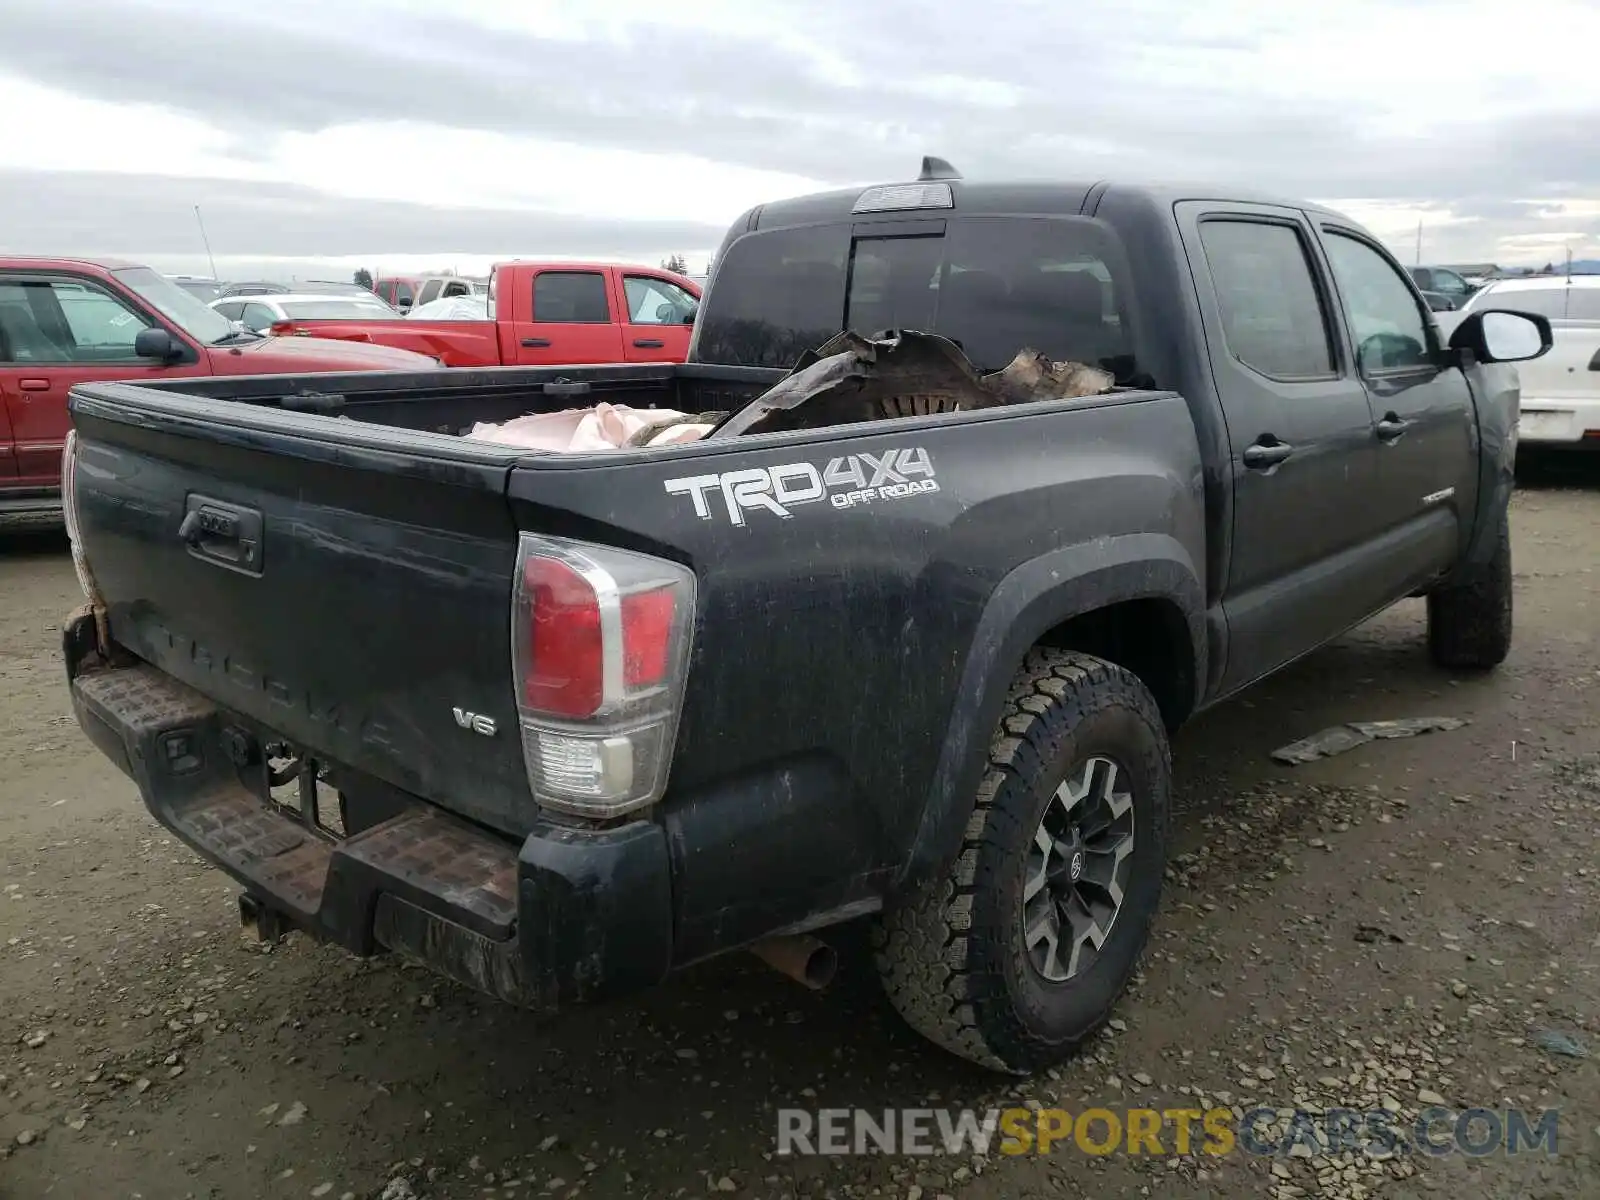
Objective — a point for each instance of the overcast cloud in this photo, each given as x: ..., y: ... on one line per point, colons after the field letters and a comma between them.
x: 398, y: 131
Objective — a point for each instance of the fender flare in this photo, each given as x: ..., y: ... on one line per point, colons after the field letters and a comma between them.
x: 1026, y: 604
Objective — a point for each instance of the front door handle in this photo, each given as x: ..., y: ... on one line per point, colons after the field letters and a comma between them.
x: 648, y: 343
x: 535, y: 343
x: 1392, y: 428
x: 1264, y: 455
x: 34, y: 385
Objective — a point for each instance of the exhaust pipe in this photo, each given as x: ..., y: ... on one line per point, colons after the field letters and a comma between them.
x: 801, y: 957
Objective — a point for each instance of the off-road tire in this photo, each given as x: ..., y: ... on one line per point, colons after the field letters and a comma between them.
x: 1469, y: 624
x: 951, y: 955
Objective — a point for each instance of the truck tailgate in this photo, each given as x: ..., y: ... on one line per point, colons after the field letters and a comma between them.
x: 344, y: 595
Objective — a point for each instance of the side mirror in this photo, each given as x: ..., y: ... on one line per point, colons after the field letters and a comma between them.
x: 1497, y: 336
x: 157, y: 344
x: 690, y: 316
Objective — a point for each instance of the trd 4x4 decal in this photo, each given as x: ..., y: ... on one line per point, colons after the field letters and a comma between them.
x: 845, y: 483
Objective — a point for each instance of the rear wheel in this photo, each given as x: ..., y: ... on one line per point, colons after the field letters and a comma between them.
x: 1469, y: 625
x: 1021, y: 949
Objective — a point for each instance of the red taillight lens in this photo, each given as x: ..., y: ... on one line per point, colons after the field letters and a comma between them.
x: 646, y: 637
x: 600, y: 642
x: 567, y: 674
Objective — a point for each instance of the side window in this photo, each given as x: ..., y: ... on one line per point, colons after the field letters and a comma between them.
x: 233, y: 310
x: 1388, y: 326
x: 1424, y: 279
x: 402, y: 294
x: 1450, y: 283
x: 656, y: 302
x: 44, y: 321
x: 571, y: 297
x: 258, y: 317
x: 1272, y: 318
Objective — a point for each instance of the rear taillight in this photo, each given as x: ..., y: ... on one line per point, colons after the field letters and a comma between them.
x: 69, y: 512
x: 600, y: 645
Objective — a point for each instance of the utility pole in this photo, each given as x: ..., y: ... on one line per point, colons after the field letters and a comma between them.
x: 206, y: 241
x: 1418, y: 261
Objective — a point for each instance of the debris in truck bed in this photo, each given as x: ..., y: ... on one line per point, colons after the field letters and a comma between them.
x: 603, y: 427
x: 851, y: 378
x: 846, y: 380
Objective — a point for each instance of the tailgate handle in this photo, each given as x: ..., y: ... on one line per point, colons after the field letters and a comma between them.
x: 562, y: 387
x: 226, y: 534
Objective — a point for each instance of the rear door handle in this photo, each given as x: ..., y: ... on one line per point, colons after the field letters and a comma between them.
x: 34, y: 385
x: 535, y: 343
x: 1264, y: 455
x: 1392, y: 428
x: 648, y: 343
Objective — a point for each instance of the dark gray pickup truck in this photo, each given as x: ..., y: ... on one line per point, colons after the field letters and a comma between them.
x: 559, y: 724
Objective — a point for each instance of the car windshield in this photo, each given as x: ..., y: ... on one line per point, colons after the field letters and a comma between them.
x: 204, y: 325
x: 995, y: 285
x: 333, y: 308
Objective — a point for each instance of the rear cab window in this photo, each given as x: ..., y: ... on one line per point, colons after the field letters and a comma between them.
x: 993, y: 284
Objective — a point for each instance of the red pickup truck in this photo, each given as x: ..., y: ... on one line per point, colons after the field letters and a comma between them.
x: 68, y: 321
x: 545, y: 314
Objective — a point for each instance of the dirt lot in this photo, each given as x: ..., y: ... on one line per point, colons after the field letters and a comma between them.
x: 1411, y: 917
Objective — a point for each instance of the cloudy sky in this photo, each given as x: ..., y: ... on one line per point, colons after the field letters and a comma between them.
x: 417, y: 133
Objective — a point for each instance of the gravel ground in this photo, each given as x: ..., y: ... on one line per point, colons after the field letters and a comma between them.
x: 1401, y: 925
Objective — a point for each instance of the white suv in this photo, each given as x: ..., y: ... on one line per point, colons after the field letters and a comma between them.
x: 1561, y: 390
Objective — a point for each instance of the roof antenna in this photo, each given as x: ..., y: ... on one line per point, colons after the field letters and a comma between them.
x: 936, y: 168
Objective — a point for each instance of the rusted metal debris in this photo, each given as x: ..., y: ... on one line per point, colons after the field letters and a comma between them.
x: 1340, y: 738
x: 850, y: 378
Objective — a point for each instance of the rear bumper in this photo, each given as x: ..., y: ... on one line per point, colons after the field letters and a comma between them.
x: 567, y: 917
x: 1568, y: 421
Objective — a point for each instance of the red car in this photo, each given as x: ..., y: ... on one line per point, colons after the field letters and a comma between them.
x: 67, y: 321
x: 543, y: 314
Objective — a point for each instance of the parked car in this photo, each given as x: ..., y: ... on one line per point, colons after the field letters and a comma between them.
x: 408, y: 291
x: 260, y: 313
x: 68, y: 321
x: 1445, y: 283
x: 200, y: 287
x: 546, y: 314
x: 1560, y: 391
x: 321, y: 287
x: 561, y: 724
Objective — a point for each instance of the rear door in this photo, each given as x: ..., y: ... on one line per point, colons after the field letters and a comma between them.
x: 1425, y: 492
x: 658, y: 315
x: 568, y: 320
x: 1301, y: 452
x: 57, y: 330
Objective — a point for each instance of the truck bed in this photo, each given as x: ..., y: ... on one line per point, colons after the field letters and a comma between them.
x: 451, y: 402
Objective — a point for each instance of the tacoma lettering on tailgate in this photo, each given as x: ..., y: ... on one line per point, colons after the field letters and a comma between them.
x: 845, y: 483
